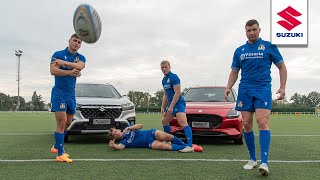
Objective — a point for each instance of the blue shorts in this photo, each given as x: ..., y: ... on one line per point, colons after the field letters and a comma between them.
x: 151, y: 137
x: 252, y: 99
x: 63, y: 102
x: 180, y: 107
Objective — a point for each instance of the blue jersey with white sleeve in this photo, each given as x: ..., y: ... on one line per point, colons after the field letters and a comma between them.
x: 168, y: 82
x: 66, y: 84
x: 255, y: 62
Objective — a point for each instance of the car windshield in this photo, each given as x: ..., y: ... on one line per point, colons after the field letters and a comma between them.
x: 212, y: 94
x: 96, y: 90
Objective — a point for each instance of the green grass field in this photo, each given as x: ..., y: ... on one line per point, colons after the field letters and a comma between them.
x: 26, y: 138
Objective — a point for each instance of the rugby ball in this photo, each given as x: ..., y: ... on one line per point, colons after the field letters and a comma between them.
x: 86, y: 23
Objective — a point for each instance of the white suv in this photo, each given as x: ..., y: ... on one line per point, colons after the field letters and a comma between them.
x: 99, y: 108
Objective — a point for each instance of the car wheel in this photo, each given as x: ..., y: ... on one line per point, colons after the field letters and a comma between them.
x: 66, y: 138
x: 238, y: 141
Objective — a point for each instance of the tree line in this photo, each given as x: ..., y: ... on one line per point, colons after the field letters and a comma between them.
x: 9, y: 103
x: 147, y: 102
x: 298, y: 103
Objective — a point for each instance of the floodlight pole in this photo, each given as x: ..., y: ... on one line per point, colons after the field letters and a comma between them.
x: 18, y: 53
x: 1, y: 101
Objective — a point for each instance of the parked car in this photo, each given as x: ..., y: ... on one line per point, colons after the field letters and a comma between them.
x: 210, y: 114
x: 99, y: 108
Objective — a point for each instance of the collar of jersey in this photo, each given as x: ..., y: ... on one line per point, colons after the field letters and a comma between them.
x: 255, y: 43
x: 69, y: 54
x: 169, y: 74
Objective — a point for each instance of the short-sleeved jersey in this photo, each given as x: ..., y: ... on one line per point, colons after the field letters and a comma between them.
x: 136, y: 138
x: 255, y: 62
x: 66, y: 84
x: 168, y: 82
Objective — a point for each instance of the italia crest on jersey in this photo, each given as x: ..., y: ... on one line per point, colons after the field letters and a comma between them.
x: 168, y: 81
x: 261, y: 47
x: 76, y: 59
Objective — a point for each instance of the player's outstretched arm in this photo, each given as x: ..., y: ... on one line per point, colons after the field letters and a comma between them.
x: 116, y: 146
x: 136, y: 127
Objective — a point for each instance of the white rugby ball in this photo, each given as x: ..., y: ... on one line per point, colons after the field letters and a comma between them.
x: 86, y: 23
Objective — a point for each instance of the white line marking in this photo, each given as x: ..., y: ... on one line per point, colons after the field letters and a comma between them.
x: 165, y: 159
x: 295, y: 135
x: 24, y: 134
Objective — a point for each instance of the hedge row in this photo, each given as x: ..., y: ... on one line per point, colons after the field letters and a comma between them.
x: 305, y: 109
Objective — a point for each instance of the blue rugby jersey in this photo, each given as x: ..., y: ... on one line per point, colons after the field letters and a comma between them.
x: 137, y: 138
x: 168, y: 82
x: 66, y: 84
x: 255, y: 62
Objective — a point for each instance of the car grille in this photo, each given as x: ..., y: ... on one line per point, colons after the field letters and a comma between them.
x: 100, y: 111
x: 213, y: 119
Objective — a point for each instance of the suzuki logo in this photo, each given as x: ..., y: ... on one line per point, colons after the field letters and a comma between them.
x: 289, y: 21
x: 102, y: 108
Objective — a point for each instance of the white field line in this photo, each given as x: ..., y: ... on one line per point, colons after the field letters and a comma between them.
x: 159, y: 159
x: 24, y: 134
x: 32, y: 134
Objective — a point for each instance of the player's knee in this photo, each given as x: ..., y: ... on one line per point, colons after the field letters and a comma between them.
x: 247, y: 125
x: 263, y: 124
x: 67, y: 124
x: 166, y: 146
x: 183, y: 123
x: 165, y: 121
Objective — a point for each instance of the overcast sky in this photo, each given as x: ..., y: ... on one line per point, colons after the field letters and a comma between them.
x: 198, y: 37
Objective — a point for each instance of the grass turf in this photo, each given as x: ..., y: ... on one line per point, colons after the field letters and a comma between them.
x: 88, y: 150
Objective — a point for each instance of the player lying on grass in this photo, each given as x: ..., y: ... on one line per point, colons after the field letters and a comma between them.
x: 134, y: 136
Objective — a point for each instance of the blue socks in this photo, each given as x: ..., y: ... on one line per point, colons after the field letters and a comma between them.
x: 59, y: 137
x: 166, y: 128
x: 177, y: 141
x: 264, y: 140
x: 249, y: 138
x: 55, y: 144
x: 188, y: 133
x: 176, y: 147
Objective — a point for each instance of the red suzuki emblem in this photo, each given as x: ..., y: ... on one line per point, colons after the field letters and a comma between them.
x: 288, y: 15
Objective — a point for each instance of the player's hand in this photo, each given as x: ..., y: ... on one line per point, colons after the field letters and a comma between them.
x: 162, y: 111
x: 58, y: 61
x: 56, y: 65
x: 112, y: 142
x: 281, y: 94
x: 169, y: 111
x: 127, y: 129
x: 226, y: 93
x: 75, y: 72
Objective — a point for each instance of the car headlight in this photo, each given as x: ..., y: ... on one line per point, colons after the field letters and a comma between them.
x: 233, y: 113
x: 127, y: 106
x: 78, y: 106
